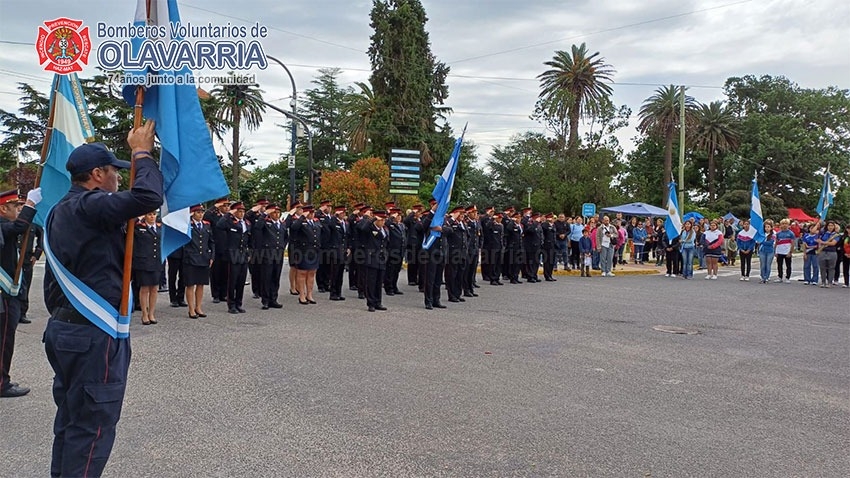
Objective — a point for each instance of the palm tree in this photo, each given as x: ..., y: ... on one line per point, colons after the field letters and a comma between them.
x: 659, y: 117
x: 357, y: 113
x: 715, y: 133
x: 578, y: 80
x: 238, y: 104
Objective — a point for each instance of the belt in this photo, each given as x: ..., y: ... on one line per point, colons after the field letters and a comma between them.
x: 70, y: 315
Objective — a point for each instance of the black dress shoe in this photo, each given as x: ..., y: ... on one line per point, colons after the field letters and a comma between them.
x: 361, y: 296
x: 492, y: 282
x: 454, y: 300
x: 389, y: 293
x: 429, y: 307
x: 380, y: 307
x: 201, y: 315
x: 303, y: 303
x: 500, y: 283
x: 398, y: 292
x: 14, y: 391
x: 183, y: 304
x: 311, y: 301
x: 352, y: 287
x: 467, y: 294
x: 475, y: 286
x: 550, y: 279
x: 24, y: 320
x: 371, y: 309
x: 232, y: 310
x: 337, y: 298
x: 216, y: 300
x: 265, y: 307
x: 439, y: 306
x: 322, y: 290
x: 293, y: 293
x: 412, y: 284
x: 275, y: 305
x: 175, y: 304
x: 255, y: 296
x: 240, y: 310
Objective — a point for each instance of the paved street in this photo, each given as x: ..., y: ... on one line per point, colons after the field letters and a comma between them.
x: 564, y: 378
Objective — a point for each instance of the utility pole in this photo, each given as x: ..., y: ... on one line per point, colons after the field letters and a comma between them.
x: 682, y: 149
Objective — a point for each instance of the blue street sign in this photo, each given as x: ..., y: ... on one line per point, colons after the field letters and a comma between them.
x: 588, y: 209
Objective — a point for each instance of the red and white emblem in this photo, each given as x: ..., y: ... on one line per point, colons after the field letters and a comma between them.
x: 63, y: 46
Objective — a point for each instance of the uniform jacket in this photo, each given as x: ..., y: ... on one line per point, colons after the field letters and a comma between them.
x: 398, y: 236
x: 548, y: 232
x: 456, y: 238
x: 374, y: 241
x: 10, y: 231
x: 306, y: 235
x: 492, y: 235
x: 269, y: 240
x: 438, y: 249
x: 213, y: 216
x: 201, y: 247
x: 339, y: 236
x: 531, y: 236
x: 513, y: 235
x: 473, y: 229
x: 410, y: 222
x: 147, y: 247
x: 235, y: 247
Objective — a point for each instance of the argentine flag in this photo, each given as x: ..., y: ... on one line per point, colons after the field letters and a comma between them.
x: 756, y: 216
x: 190, y: 169
x: 673, y: 224
x: 826, y: 196
x: 71, y: 128
x: 443, y: 192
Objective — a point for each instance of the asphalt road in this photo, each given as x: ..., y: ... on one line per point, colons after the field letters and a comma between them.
x: 564, y: 378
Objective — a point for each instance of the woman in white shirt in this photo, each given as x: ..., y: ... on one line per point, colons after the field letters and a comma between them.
x: 712, y: 240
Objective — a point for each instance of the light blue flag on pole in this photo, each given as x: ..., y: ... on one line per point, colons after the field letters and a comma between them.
x: 190, y: 169
x: 71, y: 128
x: 443, y: 192
x: 756, y: 216
x: 673, y: 224
x: 826, y: 196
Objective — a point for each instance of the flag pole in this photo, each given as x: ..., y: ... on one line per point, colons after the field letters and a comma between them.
x: 138, y: 117
x: 44, y: 149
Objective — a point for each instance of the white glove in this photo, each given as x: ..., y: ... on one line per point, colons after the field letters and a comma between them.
x: 34, y: 195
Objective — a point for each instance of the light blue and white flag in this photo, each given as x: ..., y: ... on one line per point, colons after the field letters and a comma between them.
x: 673, y: 224
x: 826, y: 196
x: 190, y: 169
x: 71, y: 128
x: 756, y: 216
x: 443, y: 192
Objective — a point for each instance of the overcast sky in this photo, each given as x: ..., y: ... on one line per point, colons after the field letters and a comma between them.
x: 495, y: 48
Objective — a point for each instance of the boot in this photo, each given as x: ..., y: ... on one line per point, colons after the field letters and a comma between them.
x: 587, y: 271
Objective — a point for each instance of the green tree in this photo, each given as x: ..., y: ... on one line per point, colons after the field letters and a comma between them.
x: 358, y: 110
x: 238, y: 104
x: 715, y: 133
x: 639, y: 178
x: 575, y: 87
x: 789, y: 135
x: 408, y: 83
x: 659, y: 117
x: 323, y: 109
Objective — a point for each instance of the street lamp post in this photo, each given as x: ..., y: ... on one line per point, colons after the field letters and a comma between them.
x: 303, y: 122
x: 528, y: 190
x: 292, y: 104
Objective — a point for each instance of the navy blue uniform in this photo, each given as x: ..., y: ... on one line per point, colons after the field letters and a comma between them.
x: 432, y: 262
x: 456, y: 237
x: 10, y: 309
x: 549, y: 250
x: 339, y: 236
x: 473, y: 245
x: 270, y: 240
x: 532, y: 240
x: 218, y: 269
x: 90, y: 366
x: 395, y: 258
x: 413, y: 247
x: 373, y: 241
x: 236, y: 239
x: 197, y: 254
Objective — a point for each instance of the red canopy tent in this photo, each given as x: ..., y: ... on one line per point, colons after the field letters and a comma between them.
x: 799, y: 215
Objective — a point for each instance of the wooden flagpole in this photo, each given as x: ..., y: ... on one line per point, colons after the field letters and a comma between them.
x: 138, y: 117
x: 44, y: 149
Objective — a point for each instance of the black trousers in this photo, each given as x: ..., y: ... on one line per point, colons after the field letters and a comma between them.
x: 514, y: 263
x: 394, y: 262
x: 374, y: 278
x: 24, y: 295
x: 422, y: 276
x: 470, y: 272
x: 88, y: 392
x: 218, y: 279
x: 353, y: 269
x: 270, y: 280
x: 454, y: 276
x: 575, y: 254
x: 532, y: 262
x: 176, y: 286
x: 746, y: 263
x: 674, y: 261
x: 236, y: 274
x: 487, y: 256
x: 337, y: 270
x: 412, y: 266
x: 254, y: 270
x: 9, y: 318
x: 550, y: 255
x: 783, y: 260
x: 433, y: 267
x: 323, y: 273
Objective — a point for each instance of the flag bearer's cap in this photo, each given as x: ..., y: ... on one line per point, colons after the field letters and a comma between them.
x: 92, y: 155
x: 196, y: 208
x: 10, y: 197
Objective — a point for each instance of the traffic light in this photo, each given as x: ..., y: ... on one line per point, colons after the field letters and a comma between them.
x: 317, y: 178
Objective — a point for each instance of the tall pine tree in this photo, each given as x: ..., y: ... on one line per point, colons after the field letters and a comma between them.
x: 408, y: 83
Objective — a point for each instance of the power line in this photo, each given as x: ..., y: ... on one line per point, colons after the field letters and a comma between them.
x: 605, y: 30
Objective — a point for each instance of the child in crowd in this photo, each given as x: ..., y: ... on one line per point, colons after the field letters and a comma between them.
x: 810, y: 258
x: 586, y: 250
x: 638, y: 241
x: 766, y: 249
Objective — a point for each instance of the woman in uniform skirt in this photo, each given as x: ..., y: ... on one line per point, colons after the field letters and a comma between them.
x: 147, y: 264
x: 198, y: 254
x: 306, y: 232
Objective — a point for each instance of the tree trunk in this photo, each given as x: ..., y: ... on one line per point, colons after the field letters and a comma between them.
x: 234, y: 180
x: 711, y: 168
x: 575, y: 111
x: 668, y: 166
